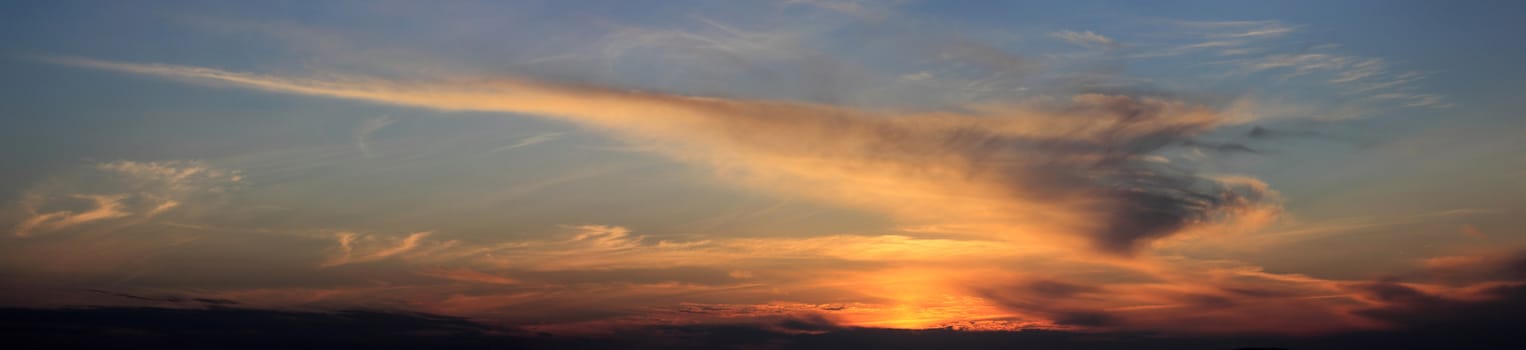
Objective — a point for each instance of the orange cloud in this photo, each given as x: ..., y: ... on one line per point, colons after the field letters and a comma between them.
x: 1070, y: 185
x: 105, y: 207
x: 357, y: 248
x: 116, y: 190
x: 1066, y: 172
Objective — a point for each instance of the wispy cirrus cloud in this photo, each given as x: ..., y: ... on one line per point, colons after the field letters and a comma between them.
x: 1354, y: 75
x: 104, y: 207
x: 106, y: 191
x: 1084, y: 38
x: 365, y: 129
x: 357, y: 248
x: 1228, y: 38
x: 1232, y: 29
x: 1252, y: 47
x: 865, y: 9
x: 1361, y: 70
x: 530, y: 141
x: 1253, y: 29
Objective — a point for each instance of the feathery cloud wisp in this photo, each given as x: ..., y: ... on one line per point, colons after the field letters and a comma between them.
x: 1086, y: 38
x: 365, y: 129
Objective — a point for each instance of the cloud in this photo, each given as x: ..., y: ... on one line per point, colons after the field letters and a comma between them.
x: 588, y: 247
x: 1232, y: 38
x: 469, y: 275
x: 357, y: 248
x: 1301, y: 64
x: 848, y: 7
x: 1410, y: 99
x: 103, y: 192
x: 104, y: 207
x: 175, y: 175
x: 1262, y: 29
x: 1360, y: 70
x: 869, y: 281
x: 1475, y: 268
x: 1435, y: 101
x: 239, y: 328
x: 1029, y: 209
x: 1266, y: 46
x: 1009, y: 201
x: 532, y: 140
x: 1234, y: 29
x: 1183, y: 296
x: 710, y: 53
x: 1070, y: 166
x: 1259, y: 132
x: 1086, y: 38
x: 1353, y: 75
x: 596, y: 274
x: 1409, y: 307
x: 166, y: 299
x: 1179, y: 50
x: 365, y: 129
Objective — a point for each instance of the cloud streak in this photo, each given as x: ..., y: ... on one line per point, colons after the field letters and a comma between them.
x: 116, y: 190
x: 104, y: 207
x: 365, y: 129
x: 1059, y: 166
x: 530, y: 141
x: 1086, y: 38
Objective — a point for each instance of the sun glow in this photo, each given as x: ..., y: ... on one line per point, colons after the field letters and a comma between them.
x: 917, y: 298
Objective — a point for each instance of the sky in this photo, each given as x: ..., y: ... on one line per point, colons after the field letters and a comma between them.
x: 1185, y: 168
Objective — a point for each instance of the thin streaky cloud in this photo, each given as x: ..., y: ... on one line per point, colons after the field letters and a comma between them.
x: 1270, y: 30
x: 104, y: 207
x: 356, y: 248
x: 1083, y: 38
x: 1195, y: 47
x: 365, y: 129
x: 532, y: 140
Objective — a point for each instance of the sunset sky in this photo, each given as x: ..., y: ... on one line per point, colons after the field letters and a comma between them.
x: 1291, y: 168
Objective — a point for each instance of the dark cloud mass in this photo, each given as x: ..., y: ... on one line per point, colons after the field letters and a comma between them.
x: 1478, y: 325
x: 1092, y: 154
x: 1499, y: 309
x: 167, y: 299
x: 1260, y: 132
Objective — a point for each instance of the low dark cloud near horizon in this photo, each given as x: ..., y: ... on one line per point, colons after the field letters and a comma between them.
x: 1454, y: 325
x: 1416, y: 319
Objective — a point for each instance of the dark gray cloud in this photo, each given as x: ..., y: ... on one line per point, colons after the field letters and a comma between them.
x: 1225, y: 147
x: 1501, y: 309
x: 1051, y: 299
x: 167, y: 299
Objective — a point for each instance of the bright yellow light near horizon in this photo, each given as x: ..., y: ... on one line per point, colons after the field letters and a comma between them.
x: 917, y: 298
